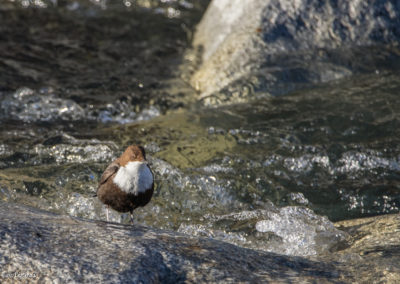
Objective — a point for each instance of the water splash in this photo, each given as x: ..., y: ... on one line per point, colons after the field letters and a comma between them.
x: 288, y: 230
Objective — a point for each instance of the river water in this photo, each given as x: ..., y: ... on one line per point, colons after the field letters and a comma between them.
x: 81, y: 80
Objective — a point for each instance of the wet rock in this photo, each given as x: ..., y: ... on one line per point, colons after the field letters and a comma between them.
x: 42, y: 247
x: 277, y: 46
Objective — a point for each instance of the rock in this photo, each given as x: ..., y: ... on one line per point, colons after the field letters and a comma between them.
x: 42, y: 247
x: 374, y: 253
x: 277, y: 46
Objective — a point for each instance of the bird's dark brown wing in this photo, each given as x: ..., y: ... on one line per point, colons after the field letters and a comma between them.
x: 110, y: 170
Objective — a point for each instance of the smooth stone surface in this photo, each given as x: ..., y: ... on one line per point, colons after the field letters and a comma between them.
x: 42, y: 247
x: 279, y: 45
x: 374, y: 252
x: 60, y: 248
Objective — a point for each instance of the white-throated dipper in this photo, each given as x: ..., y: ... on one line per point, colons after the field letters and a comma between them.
x: 128, y: 182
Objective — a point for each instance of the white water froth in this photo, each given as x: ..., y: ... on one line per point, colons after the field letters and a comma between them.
x: 349, y: 162
x: 44, y: 105
x: 289, y: 230
x: 29, y: 106
x: 302, y: 232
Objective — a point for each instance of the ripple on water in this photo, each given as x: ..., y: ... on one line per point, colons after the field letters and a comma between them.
x: 60, y: 148
x: 121, y: 112
x: 355, y: 161
x: 194, y: 192
x: 30, y: 106
x: 88, y: 151
x: 45, y: 106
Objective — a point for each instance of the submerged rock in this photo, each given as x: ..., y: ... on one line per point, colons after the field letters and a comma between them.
x: 277, y: 46
x: 42, y: 247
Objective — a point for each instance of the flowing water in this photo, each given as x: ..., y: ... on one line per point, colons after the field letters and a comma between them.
x: 79, y: 81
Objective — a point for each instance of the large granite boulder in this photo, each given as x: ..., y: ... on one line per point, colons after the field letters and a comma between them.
x: 41, y: 247
x: 279, y: 45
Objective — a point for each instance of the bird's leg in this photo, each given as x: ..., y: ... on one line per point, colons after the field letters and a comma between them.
x: 107, y: 206
x: 131, y: 214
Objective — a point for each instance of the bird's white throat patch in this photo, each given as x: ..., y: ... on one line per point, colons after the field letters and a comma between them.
x: 134, y: 177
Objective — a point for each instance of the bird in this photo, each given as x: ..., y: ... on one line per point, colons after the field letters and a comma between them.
x: 127, y: 183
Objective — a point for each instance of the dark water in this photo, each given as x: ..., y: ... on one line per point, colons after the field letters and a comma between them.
x: 96, y: 52
x: 82, y: 80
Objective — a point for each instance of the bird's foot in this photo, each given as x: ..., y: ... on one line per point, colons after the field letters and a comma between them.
x: 107, y: 213
x: 131, y: 214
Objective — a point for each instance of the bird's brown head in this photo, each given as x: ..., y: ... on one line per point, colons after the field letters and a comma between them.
x: 132, y: 153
